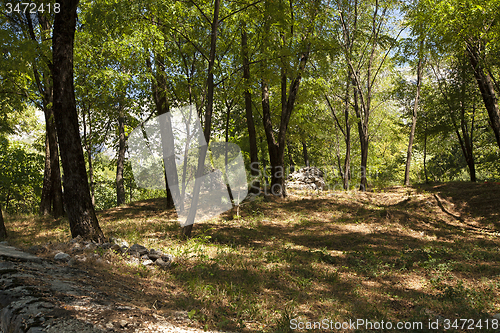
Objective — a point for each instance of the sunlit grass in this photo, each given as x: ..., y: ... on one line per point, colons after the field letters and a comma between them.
x: 391, y: 255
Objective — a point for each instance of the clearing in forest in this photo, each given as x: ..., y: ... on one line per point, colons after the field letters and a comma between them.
x: 399, y: 254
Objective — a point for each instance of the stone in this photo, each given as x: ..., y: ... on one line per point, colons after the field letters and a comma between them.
x: 147, y: 262
x: 137, y: 250
x: 122, y: 243
x: 105, y: 246
x: 116, y: 248
x: 165, y: 261
x: 145, y: 257
x: 496, y: 316
x: 90, y: 246
x: 154, y: 254
x: 77, y: 239
x: 61, y: 256
x: 308, y: 178
x: 12, y: 252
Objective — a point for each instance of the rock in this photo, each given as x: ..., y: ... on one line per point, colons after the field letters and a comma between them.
x: 122, y: 243
x: 147, y: 262
x: 61, y: 256
x: 105, y: 246
x: 154, y: 254
x: 306, y: 178
x: 145, y: 257
x: 90, y: 246
x: 4, y: 243
x: 77, y: 239
x: 137, y: 250
x: 496, y: 316
x: 77, y: 248
x: 165, y: 261
x: 116, y: 248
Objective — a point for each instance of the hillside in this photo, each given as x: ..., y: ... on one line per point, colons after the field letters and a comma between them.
x: 399, y: 254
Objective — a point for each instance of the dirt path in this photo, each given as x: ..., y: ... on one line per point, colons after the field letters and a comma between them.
x: 40, y: 295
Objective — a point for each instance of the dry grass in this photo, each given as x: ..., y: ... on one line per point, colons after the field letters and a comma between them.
x: 401, y: 254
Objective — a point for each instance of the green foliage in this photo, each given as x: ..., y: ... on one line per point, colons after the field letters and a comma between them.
x: 21, y: 177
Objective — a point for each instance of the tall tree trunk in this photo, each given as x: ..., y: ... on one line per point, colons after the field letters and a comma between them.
x: 425, y: 153
x: 487, y: 90
x: 277, y: 148
x: 290, y: 156
x: 82, y: 219
x: 51, y: 200
x: 88, y: 148
x: 186, y: 230
x: 304, y: 152
x: 254, y: 159
x: 226, y: 161
x: 346, y: 175
x: 55, y: 170
x: 160, y: 98
x: 3, y: 231
x: 120, y: 161
x: 413, y: 124
x: 46, y: 198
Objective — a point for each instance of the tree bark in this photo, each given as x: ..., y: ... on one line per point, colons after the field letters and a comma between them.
x: 3, y: 231
x: 80, y: 211
x: 254, y: 159
x: 88, y: 148
x: 487, y: 90
x: 306, y: 155
x: 46, y: 197
x: 160, y: 98
x: 413, y: 124
x: 425, y: 154
x: 120, y: 162
x: 51, y: 199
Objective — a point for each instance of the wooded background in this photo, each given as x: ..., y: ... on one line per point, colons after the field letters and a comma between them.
x: 374, y: 92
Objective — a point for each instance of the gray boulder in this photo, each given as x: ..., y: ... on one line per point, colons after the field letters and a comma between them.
x: 61, y: 256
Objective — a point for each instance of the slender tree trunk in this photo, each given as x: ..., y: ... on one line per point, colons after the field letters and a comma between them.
x: 425, y: 154
x: 160, y: 98
x: 120, y: 162
x: 3, y: 231
x: 254, y: 159
x: 80, y: 211
x: 86, y: 142
x: 51, y: 201
x: 55, y: 171
x: 186, y: 231
x: 487, y: 91
x: 228, y: 115
x: 413, y: 124
x: 46, y: 198
x: 290, y: 156
x: 346, y: 175
x: 304, y: 152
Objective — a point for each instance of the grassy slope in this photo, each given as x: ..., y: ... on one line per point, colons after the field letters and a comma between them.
x: 401, y: 254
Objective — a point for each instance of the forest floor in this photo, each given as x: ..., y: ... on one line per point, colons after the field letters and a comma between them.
x: 416, y: 254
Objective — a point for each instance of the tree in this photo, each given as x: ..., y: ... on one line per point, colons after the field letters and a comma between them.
x: 80, y: 211
x: 3, y: 231
x: 470, y: 26
x: 252, y: 136
x: 288, y: 40
x: 414, y: 118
